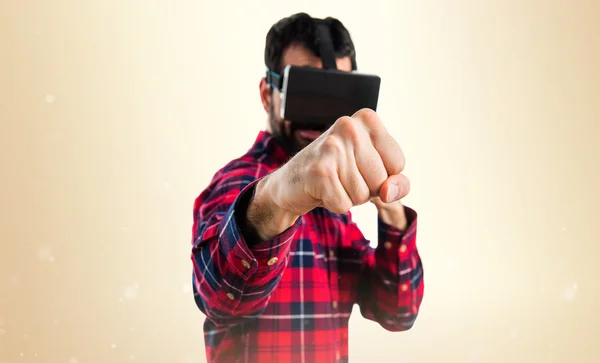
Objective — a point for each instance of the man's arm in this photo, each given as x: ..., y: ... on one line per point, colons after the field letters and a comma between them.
x: 240, y: 246
x: 235, y: 272
x: 391, y: 284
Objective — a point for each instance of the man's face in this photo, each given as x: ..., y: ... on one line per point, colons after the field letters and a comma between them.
x: 295, y: 138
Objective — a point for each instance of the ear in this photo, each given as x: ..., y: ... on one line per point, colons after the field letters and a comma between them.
x: 265, y: 94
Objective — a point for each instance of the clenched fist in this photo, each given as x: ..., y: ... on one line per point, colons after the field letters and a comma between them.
x: 354, y: 161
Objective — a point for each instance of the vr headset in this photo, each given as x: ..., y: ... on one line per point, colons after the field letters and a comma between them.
x: 317, y: 97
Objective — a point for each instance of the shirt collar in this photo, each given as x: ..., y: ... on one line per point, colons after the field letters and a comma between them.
x: 266, y: 143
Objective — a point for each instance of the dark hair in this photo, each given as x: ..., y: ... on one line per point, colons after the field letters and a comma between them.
x: 300, y: 29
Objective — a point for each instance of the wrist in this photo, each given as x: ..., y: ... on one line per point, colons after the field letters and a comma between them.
x: 265, y: 215
x: 393, y: 215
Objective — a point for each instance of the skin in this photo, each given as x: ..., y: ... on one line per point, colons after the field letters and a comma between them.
x: 353, y: 162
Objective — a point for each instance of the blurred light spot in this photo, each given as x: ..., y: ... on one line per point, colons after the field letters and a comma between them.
x: 49, y: 99
x: 73, y: 360
x: 514, y: 333
x: 131, y: 292
x: 44, y: 254
x: 186, y: 288
x: 570, y: 292
x: 113, y: 345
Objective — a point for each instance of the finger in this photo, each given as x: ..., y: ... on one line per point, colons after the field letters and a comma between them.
x: 394, y: 188
x: 335, y: 198
x: 370, y: 165
x: 332, y: 193
x: 354, y: 183
x: 390, y: 152
x: 362, y: 153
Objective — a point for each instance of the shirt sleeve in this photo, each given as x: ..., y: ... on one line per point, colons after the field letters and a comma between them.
x: 391, y: 283
x: 231, y: 280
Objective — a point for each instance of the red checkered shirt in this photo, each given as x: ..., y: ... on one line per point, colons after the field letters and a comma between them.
x: 289, y: 299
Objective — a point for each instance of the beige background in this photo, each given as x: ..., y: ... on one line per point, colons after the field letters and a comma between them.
x: 115, y: 114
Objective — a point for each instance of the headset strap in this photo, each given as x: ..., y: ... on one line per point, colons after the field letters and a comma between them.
x: 274, y: 79
x: 325, y: 43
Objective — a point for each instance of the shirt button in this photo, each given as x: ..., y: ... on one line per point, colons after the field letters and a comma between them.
x: 331, y: 253
x: 402, y: 248
x: 245, y: 263
x: 335, y: 304
x: 272, y: 261
x: 338, y: 355
x: 230, y: 296
x: 404, y: 287
x: 387, y: 245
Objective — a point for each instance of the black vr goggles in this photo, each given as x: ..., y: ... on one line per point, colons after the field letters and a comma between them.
x: 317, y: 97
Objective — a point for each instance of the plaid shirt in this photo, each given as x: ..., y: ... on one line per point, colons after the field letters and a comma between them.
x: 289, y: 299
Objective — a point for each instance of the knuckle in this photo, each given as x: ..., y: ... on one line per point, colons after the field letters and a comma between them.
x: 366, y: 113
x: 344, y: 123
x: 348, y: 129
x: 332, y: 145
x: 322, y: 170
x: 368, y: 117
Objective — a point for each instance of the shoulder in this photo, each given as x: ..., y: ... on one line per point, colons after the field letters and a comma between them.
x: 244, y: 167
x: 241, y: 171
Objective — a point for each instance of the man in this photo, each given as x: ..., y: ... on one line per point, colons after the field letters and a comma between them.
x: 278, y: 262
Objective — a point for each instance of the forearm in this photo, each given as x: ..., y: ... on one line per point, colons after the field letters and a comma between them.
x: 392, y: 282
x: 393, y: 214
x: 263, y: 219
x: 234, y: 279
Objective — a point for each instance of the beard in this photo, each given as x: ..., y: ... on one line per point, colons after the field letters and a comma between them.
x: 292, y: 135
x: 283, y: 135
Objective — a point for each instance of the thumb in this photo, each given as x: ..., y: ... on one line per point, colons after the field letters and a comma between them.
x: 394, y: 188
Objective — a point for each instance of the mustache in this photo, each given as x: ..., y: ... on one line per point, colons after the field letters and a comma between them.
x: 294, y: 126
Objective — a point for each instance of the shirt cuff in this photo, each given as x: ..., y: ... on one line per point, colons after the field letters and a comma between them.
x: 394, y: 237
x: 262, y: 257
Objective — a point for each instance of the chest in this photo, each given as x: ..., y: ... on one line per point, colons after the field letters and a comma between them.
x: 315, y: 270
